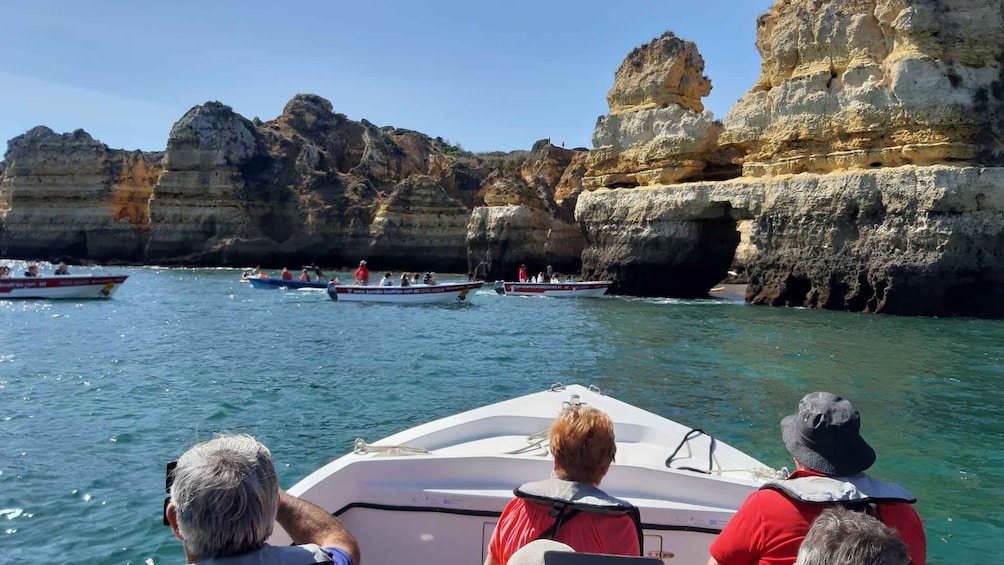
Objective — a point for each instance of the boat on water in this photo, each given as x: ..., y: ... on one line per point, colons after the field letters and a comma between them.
x: 433, y: 493
x: 413, y: 294
x: 64, y: 286
x: 587, y: 289
x: 293, y: 284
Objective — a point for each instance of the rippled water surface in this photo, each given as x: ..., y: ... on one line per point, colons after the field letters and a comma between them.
x: 96, y: 396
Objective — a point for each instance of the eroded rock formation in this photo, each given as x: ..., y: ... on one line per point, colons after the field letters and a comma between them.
x: 528, y: 216
x: 658, y: 131
x: 310, y: 186
x: 849, y: 84
x: 67, y: 195
x: 891, y: 112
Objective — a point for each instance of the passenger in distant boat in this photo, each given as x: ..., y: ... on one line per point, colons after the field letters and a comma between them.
x: 523, y: 277
x: 429, y: 278
x: 4, y: 272
x: 830, y: 459
x: 362, y: 274
x: 540, y: 277
x: 388, y: 279
x: 843, y: 537
x: 569, y: 279
x: 225, y: 498
x: 305, y: 276
x: 591, y: 521
x: 319, y: 273
x: 286, y: 275
x: 32, y: 271
x: 405, y: 279
x: 416, y: 279
x: 262, y: 275
x: 61, y: 270
x: 550, y: 272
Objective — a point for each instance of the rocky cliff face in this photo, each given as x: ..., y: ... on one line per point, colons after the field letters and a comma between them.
x: 67, y: 195
x: 658, y: 131
x: 528, y: 216
x: 856, y: 84
x: 890, y: 110
x: 310, y: 186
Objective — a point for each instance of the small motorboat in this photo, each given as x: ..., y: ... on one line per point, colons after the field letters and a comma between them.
x: 65, y: 286
x: 413, y: 294
x: 434, y: 492
x: 588, y: 289
x: 292, y: 284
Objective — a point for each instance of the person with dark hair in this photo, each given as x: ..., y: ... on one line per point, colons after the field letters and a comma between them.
x: 286, y: 275
x: 305, y: 275
x: 831, y: 458
x: 571, y: 508
x: 405, y: 279
x: 388, y: 279
x: 32, y: 271
x: 225, y: 499
x: 842, y: 537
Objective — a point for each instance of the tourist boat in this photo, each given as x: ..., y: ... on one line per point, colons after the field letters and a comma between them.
x: 65, y: 286
x: 414, y: 294
x: 586, y: 289
x: 433, y: 493
x: 271, y: 282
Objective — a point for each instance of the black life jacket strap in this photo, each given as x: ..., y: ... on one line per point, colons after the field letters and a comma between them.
x: 562, y: 518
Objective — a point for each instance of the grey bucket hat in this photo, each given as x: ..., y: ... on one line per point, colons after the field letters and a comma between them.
x: 825, y: 435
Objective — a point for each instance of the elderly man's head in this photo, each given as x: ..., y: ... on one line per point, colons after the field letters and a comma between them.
x: 582, y: 441
x: 225, y: 497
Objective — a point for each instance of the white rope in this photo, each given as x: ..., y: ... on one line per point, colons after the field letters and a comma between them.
x: 535, y: 441
x: 361, y: 447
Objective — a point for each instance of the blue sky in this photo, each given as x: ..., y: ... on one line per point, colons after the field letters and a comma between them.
x: 486, y: 75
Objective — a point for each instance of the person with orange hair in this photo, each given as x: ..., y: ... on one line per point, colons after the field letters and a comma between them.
x: 570, y: 507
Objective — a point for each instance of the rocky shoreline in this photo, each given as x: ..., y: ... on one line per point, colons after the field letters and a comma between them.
x: 862, y: 172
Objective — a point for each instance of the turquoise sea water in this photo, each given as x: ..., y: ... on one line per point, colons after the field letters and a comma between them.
x: 96, y: 396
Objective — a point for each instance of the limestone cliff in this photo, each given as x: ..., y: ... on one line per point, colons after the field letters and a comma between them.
x: 528, y: 216
x: 855, y: 84
x: 69, y: 196
x: 850, y: 91
x: 658, y: 131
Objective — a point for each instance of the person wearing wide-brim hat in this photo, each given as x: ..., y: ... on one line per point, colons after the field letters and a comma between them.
x: 831, y: 457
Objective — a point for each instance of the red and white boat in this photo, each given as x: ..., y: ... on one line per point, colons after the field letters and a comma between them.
x: 588, y: 289
x: 66, y: 286
x: 414, y: 294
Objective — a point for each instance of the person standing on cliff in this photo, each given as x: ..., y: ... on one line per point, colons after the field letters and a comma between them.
x: 831, y: 458
x: 362, y: 275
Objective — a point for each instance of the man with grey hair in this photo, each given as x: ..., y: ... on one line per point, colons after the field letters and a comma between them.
x: 225, y: 498
x: 841, y: 537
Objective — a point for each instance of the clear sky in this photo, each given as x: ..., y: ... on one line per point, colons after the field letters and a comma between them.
x: 487, y: 75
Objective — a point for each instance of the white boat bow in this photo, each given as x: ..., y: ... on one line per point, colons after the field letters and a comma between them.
x: 433, y: 493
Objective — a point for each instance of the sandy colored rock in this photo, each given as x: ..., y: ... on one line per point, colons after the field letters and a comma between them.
x: 664, y: 72
x: 857, y: 84
x: 70, y: 196
x: 658, y: 131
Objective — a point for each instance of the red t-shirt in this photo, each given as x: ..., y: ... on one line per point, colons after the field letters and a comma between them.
x: 286, y: 276
x: 769, y: 527
x: 523, y: 521
x: 522, y: 275
x: 362, y: 274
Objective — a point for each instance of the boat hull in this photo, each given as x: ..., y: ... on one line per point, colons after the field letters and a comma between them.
x: 67, y: 286
x: 274, y: 283
x: 415, y: 294
x: 441, y: 487
x: 590, y: 289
